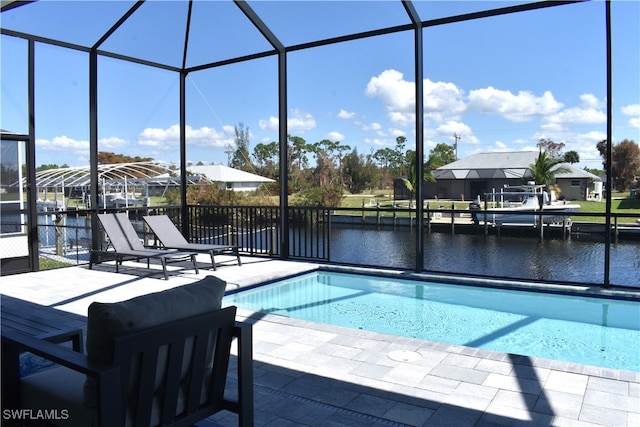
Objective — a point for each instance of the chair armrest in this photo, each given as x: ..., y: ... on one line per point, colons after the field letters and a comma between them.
x: 107, y: 376
x: 244, y: 407
x: 54, y: 352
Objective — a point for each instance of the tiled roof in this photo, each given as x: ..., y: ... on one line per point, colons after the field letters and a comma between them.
x: 497, y: 165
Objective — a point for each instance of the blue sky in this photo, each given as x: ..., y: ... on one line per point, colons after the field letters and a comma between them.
x: 501, y: 83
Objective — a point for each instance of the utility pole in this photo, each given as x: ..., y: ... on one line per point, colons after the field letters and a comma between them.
x: 455, y: 144
x: 229, y: 151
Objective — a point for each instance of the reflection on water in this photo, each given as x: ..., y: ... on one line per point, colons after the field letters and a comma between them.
x: 504, y: 256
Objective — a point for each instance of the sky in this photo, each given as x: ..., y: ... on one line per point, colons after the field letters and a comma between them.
x: 500, y: 84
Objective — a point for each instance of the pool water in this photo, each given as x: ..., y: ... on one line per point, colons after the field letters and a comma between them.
x: 595, y: 331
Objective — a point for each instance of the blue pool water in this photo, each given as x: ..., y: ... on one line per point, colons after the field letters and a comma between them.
x: 594, y: 331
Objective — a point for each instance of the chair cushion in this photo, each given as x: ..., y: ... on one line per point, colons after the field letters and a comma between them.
x: 58, y: 389
x: 107, y: 320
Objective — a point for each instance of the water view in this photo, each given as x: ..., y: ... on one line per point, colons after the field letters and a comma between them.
x: 570, y: 260
x: 553, y: 259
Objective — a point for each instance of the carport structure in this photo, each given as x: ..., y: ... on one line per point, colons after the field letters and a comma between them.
x: 111, y: 30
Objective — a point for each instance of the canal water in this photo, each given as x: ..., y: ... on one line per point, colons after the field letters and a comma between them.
x: 527, y: 258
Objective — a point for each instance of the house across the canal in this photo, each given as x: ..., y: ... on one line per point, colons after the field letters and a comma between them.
x: 481, y: 173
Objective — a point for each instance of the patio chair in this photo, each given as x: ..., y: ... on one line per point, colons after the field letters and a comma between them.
x: 126, y: 245
x: 160, y: 359
x: 170, y: 237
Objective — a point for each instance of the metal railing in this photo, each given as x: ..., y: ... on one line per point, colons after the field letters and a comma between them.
x: 65, y: 237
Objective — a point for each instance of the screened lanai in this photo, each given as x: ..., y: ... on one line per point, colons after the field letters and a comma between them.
x: 171, y: 79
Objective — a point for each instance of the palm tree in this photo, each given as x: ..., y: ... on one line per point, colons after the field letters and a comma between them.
x: 411, y: 181
x: 545, y: 168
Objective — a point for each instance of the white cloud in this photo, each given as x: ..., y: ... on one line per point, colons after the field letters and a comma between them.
x: 374, y: 126
x: 594, y: 136
x: 632, y: 110
x: 396, y: 93
x: 447, y: 129
x: 518, y: 108
x: 590, y: 101
x: 169, y: 139
x: 402, y: 119
x: 500, y: 146
x: 111, y: 143
x: 442, y: 100
x: 60, y: 143
x: 270, y: 124
x: 577, y: 116
x: 344, y: 114
x: 335, y: 136
x: 298, y: 122
x: 397, y: 132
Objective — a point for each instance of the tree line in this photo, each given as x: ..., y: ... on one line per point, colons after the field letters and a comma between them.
x: 320, y: 172
x: 323, y: 170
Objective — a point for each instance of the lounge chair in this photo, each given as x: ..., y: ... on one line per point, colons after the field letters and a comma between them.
x: 126, y: 244
x: 170, y: 237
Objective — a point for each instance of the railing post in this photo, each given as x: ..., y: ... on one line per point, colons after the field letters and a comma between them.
x: 453, y: 220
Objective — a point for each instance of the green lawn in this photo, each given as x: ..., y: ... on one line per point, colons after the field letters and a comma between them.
x: 621, y: 204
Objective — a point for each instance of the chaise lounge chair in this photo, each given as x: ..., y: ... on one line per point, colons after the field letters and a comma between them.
x: 170, y: 237
x: 126, y: 244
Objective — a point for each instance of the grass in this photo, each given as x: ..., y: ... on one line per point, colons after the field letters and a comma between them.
x: 48, y: 264
x: 621, y: 204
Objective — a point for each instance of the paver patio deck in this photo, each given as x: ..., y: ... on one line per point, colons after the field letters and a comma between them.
x: 311, y: 374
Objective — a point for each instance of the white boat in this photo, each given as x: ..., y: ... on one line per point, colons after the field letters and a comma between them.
x: 511, y: 204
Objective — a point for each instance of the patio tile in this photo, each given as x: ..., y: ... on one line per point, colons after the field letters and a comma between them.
x: 508, y: 416
x: 514, y: 399
x: 536, y: 373
x: 472, y: 396
x: 370, y: 370
x: 568, y: 422
x: 368, y: 404
x: 558, y: 403
x: 454, y: 416
x: 567, y: 382
x: 439, y: 384
x: 405, y: 373
x: 612, y: 401
x: 508, y: 382
x: 494, y: 366
x: 459, y: 373
x: 608, y: 385
x: 603, y: 416
x: 461, y: 360
x: 408, y: 414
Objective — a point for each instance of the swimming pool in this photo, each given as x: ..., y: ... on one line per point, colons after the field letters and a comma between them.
x: 595, y: 331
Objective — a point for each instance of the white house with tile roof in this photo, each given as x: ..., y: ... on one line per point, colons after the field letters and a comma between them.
x: 229, y: 178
